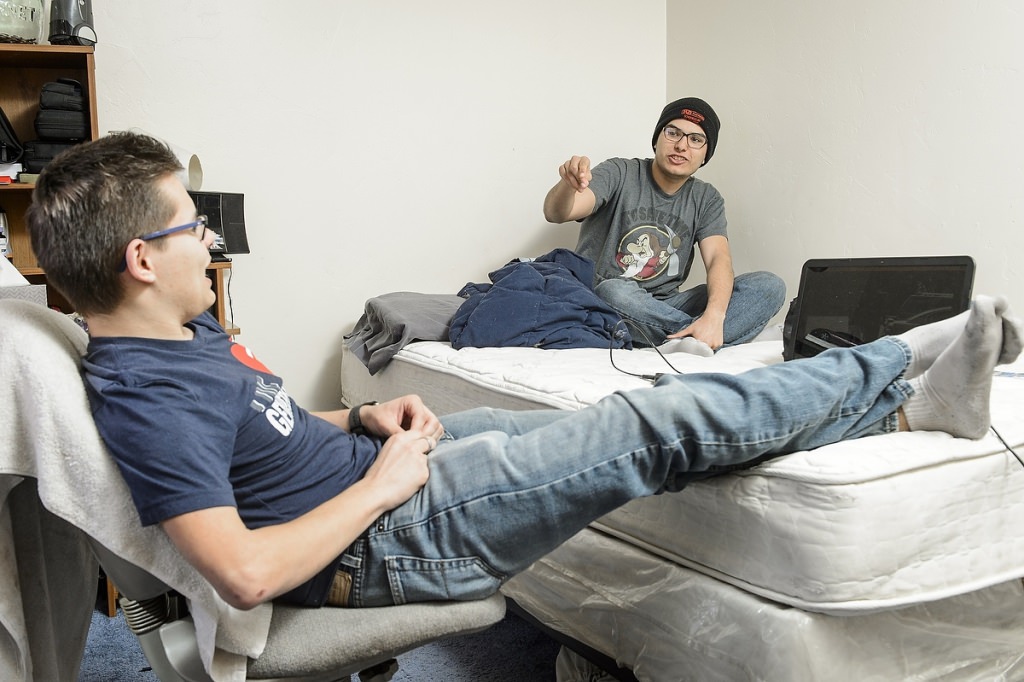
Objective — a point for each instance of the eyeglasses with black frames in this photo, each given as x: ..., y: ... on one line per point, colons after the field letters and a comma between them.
x: 693, y: 140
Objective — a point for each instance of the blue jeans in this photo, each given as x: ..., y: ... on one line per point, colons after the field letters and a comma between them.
x: 507, y: 487
x: 756, y: 297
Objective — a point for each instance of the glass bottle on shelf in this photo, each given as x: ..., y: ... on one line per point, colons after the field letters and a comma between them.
x: 21, y: 21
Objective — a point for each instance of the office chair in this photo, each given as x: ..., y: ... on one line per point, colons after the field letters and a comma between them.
x: 51, y: 444
x: 311, y: 645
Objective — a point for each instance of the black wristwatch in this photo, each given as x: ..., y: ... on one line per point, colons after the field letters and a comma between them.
x: 355, y: 424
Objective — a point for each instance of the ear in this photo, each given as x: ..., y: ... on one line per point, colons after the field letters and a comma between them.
x: 139, y: 265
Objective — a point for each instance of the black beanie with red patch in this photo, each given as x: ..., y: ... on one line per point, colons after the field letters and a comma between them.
x: 695, y: 110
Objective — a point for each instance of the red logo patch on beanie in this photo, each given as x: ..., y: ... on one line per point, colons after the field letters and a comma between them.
x: 692, y: 116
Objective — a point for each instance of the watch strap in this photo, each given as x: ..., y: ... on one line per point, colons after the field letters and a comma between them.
x: 355, y: 424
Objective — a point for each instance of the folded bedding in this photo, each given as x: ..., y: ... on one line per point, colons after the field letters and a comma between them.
x: 546, y: 302
x: 391, y: 321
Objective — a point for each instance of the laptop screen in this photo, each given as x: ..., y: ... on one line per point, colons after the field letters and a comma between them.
x: 849, y: 301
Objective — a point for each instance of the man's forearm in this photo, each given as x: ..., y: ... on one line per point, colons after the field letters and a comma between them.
x: 248, y: 567
x: 558, y: 203
x: 720, y: 284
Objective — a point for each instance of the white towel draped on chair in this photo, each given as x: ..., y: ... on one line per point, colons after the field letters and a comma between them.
x: 48, y: 434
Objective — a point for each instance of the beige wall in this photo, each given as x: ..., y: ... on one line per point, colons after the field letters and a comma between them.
x: 405, y: 145
x: 381, y: 146
x: 873, y: 128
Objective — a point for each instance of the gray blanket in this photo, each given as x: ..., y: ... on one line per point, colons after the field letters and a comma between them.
x: 391, y: 321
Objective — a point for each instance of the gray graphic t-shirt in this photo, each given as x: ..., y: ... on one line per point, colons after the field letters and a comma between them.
x: 639, y: 232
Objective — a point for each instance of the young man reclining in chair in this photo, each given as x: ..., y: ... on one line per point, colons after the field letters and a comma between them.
x: 386, y: 503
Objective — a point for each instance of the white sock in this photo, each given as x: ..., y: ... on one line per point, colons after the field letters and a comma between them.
x: 953, y: 393
x: 928, y: 341
x: 687, y: 344
x: 1013, y: 339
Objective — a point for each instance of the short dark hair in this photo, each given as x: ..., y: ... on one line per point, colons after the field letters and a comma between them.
x: 88, y: 203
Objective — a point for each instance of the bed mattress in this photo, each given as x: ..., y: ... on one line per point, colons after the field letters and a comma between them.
x: 528, y: 378
x: 856, y: 527
x: 673, y: 623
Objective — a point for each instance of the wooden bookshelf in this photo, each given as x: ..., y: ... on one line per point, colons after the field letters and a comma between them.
x: 23, y: 71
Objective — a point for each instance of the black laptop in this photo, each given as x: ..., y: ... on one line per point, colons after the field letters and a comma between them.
x: 850, y: 301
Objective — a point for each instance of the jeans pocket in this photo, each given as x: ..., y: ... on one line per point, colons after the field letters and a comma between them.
x: 413, y: 579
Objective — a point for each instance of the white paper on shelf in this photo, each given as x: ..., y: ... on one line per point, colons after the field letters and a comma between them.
x: 9, y: 275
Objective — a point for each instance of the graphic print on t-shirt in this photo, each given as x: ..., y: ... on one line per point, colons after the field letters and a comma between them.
x: 648, y: 251
x: 270, y: 397
x: 245, y: 356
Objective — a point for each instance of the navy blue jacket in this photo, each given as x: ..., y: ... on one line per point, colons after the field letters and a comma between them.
x: 543, y: 303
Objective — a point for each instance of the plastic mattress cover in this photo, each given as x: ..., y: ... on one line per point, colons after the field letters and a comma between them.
x: 667, y: 622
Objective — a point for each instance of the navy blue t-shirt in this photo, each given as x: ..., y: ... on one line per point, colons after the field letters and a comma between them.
x: 202, y: 423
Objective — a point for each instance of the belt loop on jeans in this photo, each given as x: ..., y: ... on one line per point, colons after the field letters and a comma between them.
x: 341, y: 588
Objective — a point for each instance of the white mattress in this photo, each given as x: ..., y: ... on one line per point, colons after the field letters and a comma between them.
x: 854, y: 527
x: 672, y: 623
x: 525, y: 378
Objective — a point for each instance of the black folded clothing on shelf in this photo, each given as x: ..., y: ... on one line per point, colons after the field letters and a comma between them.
x: 64, y: 93
x: 38, y: 153
x: 62, y: 113
x: 57, y: 124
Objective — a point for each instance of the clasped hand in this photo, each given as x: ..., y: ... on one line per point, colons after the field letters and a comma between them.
x: 411, y: 431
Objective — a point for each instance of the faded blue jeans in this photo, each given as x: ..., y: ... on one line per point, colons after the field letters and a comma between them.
x: 756, y: 297
x: 507, y: 487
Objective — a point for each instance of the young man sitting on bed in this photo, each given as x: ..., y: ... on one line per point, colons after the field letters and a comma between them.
x: 642, y: 219
x: 385, y: 503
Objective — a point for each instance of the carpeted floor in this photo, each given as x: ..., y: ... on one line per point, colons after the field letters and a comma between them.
x: 510, y: 651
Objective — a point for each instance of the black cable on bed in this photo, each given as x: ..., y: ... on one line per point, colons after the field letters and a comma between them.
x: 617, y: 335
x: 1007, y: 445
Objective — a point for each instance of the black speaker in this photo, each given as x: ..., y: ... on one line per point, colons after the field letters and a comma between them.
x: 233, y: 206
x: 71, y: 23
x: 225, y: 215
